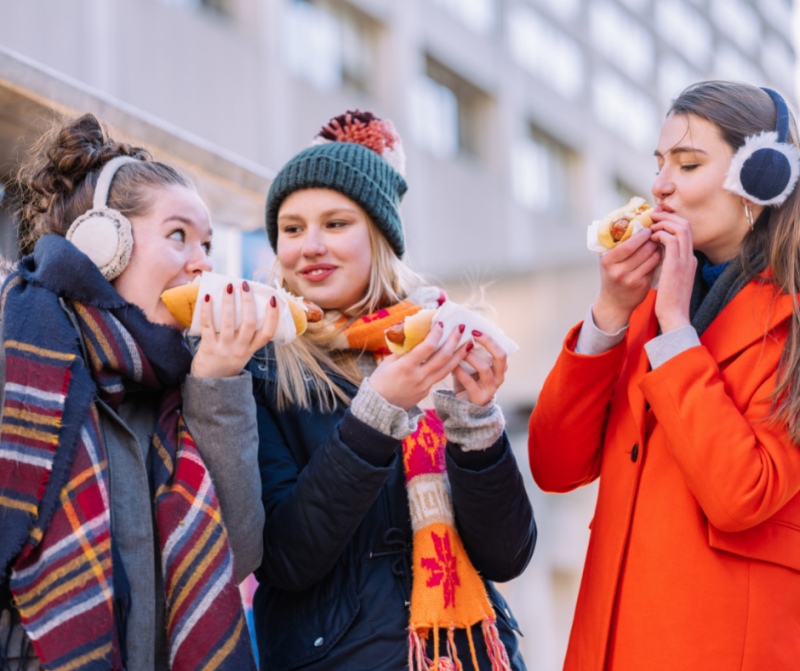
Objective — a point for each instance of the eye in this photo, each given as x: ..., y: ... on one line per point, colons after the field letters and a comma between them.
x: 178, y: 234
x: 208, y: 247
x: 337, y: 224
x: 689, y: 167
x: 290, y: 230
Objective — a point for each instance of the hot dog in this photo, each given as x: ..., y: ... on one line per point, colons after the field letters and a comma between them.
x: 618, y: 226
x: 405, y: 336
x: 181, y: 302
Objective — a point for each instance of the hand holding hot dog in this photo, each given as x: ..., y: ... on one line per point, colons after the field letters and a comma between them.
x: 677, y: 275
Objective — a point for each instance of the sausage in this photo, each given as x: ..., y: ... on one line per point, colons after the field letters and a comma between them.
x: 396, y: 333
x: 314, y: 313
x: 618, y: 228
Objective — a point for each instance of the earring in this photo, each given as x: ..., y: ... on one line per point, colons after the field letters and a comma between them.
x: 748, y: 213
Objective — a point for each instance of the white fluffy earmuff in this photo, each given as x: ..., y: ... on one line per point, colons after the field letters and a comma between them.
x: 103, y: 233
x: 765, y: 169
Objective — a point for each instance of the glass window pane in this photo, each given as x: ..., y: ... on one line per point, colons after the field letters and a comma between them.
x: 739, y: 21
x: 778, y: 63
x: 530, y: 175
x: 624, y: 109
x: 434, y: 117
x: 622, y: 39
x: 545, y: 51
x: 686, y: 29
x: 312, y: 47
x: 729, y: 63
x: 564, y: 9
x: 674, y: 75
x: 478, y: 15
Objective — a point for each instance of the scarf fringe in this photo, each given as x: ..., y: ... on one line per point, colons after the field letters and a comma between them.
x: 418, y: 659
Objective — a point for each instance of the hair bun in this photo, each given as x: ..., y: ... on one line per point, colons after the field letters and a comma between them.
x: 369, y: 131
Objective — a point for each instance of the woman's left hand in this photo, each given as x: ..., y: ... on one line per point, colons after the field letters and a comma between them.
x: 480, y: 387
x: 674, y: 292
x: 226, y: 353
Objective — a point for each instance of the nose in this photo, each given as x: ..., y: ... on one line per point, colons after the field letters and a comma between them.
x: 313, y: 246
x: 663, y: 186
x: 199, y: 262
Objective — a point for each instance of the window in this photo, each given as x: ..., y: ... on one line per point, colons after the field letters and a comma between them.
x: 622, y: 39
x: 739, y: 21
x: 545, y: 51
x: 477, y: 15
x: 637, y: 5
x: 564, y: 9
x: 446, y: 112
x: 539, y: 172
x: 730, y: 64
x: 328, y: 44
x: 624, y: 109
x: 778, y: 13
x: 674, y: 75
x: 778, y: 63
x: 686, y: 29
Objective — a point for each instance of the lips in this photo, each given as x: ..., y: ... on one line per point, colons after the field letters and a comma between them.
x: 666, y: 208
x: 317, y: 272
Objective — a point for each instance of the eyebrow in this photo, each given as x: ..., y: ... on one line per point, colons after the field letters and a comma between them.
x: 323, y: 215
x: 679, y: 150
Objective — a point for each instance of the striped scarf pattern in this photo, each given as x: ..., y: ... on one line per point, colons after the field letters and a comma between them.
x: 66, y: 579
x: 447, y: 593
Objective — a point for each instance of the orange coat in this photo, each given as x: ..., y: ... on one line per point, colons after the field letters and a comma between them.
x: 694, y: 557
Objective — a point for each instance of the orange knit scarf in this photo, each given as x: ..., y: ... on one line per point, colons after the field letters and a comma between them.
x: 447, y: 592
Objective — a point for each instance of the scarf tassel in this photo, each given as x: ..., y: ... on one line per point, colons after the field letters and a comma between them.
x: 418, y: 660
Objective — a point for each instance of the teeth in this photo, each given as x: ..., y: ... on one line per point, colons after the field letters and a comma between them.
x: 316, y: 272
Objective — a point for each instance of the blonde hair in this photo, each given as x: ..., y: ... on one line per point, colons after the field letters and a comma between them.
x: 307, y: 362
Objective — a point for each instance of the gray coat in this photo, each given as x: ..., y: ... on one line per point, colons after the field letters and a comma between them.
x: 221, y: 416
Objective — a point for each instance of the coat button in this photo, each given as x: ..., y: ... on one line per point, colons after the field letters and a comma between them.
x: 635, y: 453
x: 319, y: 642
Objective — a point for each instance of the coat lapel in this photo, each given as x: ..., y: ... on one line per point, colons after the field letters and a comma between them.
x: 754, y: 311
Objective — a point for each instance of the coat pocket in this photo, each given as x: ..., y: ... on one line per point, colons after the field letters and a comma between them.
x: 291, y: 644
x: 773, y: 541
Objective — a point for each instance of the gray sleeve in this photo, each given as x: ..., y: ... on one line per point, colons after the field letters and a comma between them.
x: 592, y: 341
x: 472, y: 427
x: 220, y: 414
x: 376, y: 412
x: 662, y: 348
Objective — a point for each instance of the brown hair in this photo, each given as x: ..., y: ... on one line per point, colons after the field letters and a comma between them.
x: 56, y: 183
x: 739, y: 110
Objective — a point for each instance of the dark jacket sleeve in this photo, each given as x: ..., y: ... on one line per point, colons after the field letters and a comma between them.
x: 494, y: 515
x: 311, y: 513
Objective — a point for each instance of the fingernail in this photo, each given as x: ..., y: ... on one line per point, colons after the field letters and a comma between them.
x: 245, y: 285
x: 461, y: 328
x: 477, y: 334
x: 469, y: 346
x: 208, y: 298
x: 230, y: 288
x: 272, y: 301
x: 441, y: 324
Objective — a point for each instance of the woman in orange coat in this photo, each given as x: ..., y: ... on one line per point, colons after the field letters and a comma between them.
x: 684, y: 402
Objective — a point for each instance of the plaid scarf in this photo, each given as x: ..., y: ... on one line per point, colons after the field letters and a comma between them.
x: 447, y: 592
x: 66, y: 578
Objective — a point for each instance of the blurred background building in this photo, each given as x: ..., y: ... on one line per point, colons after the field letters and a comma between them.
x: 523, y: 120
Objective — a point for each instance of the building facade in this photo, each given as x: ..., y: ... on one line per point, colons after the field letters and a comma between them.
x: 522, y: 120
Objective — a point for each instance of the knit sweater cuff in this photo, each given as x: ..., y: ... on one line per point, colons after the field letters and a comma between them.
x: 473, y: 427
x: 662, y: 348
x: 375, y: 411
x: 592, y: 341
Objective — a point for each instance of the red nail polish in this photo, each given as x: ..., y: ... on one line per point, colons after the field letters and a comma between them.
x: 208, y: 298
x: 230, y: 288
x: 441, y: 324
x: 461, y: 328
x: 469, y: 346
x: 477, y: 334
x: 273, y: 302
x: 245, y: 285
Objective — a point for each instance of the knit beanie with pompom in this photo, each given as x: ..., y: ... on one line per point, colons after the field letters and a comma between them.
x: 361, y: 157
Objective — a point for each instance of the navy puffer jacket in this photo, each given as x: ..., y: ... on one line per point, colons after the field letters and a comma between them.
x: 335, y: 581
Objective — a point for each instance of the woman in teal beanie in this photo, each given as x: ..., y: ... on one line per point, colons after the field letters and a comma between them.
x: 359, y: 458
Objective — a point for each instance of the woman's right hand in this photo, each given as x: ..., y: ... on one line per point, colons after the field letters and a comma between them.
x: 626, y: 272
x: 405, y: 380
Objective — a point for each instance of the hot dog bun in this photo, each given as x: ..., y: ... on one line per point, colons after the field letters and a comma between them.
x: 636, y: 210
x: 181, y: 301
x: 416, y: 328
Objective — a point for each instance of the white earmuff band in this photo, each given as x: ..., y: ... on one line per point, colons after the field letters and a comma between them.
x: 765, y: 169
x: 103, y: 233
